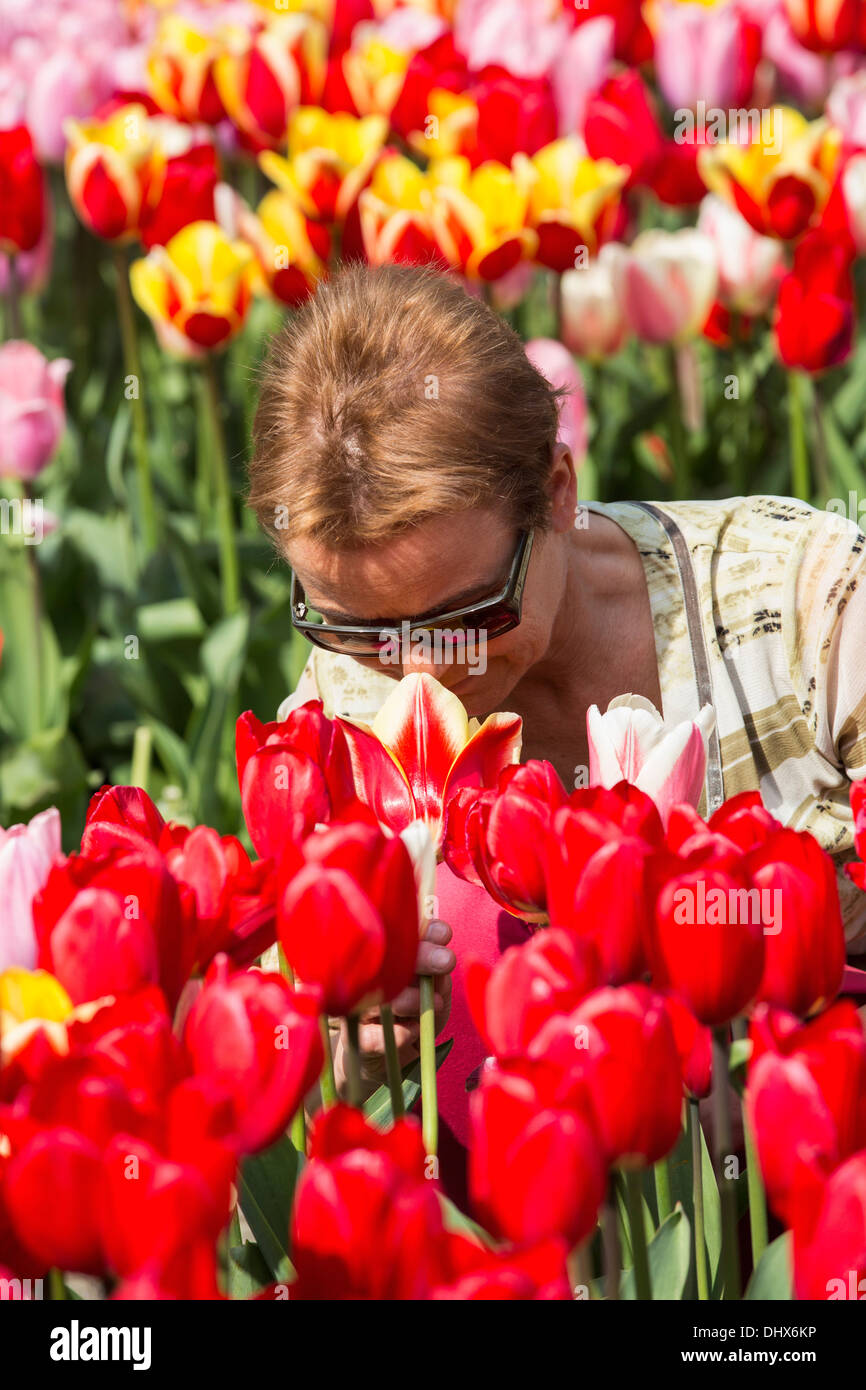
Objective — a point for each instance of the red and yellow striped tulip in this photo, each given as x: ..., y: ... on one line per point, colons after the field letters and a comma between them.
x: 451, y: 127
x: 107, y: 170
x: 480, y: 217
x: 779, y: 182
x: 196, y: 290
x: 180, y: 69
x: 374, y: 73
x: 396, y: 215
x: 330, y: 160
x: 574, y: 201
x: 263, y: 76
x: 291, y: 249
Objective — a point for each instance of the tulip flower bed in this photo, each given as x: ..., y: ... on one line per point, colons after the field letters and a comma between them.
x: 667, y: 201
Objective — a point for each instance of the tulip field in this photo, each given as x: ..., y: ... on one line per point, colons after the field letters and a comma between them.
x: 667, y: 202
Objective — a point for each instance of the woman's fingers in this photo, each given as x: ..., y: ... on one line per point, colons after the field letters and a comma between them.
x: 434, y: 956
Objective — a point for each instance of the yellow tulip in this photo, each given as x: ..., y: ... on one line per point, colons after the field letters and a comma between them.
x: 292, y: 52
x: 451, y: 127
x: 396, y: 215
x: 180, y: 70
x: 196, y: 289
x: 291, y: 250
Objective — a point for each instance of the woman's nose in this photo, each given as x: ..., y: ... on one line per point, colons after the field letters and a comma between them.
x: 422, y: 658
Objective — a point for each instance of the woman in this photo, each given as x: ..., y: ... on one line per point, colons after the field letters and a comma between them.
x: 407, y: 463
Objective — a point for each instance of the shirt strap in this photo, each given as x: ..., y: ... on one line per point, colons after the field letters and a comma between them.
x: 715, y: 783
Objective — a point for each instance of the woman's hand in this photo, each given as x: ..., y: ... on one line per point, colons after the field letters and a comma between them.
x: 434, y: 958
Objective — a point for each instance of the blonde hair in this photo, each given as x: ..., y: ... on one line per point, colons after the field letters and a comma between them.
x: 393, y: 396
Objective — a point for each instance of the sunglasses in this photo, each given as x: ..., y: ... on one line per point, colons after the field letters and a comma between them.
x: 493, y: 617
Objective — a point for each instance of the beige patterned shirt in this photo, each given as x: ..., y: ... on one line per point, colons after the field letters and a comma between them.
x: 782, y: 591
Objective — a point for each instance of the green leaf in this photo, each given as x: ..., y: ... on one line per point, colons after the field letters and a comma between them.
x: 167, y: 621
x: 772, y: 1279
x: 266, y: 1189
x: 670, y: 1255
x: 457, y: 1220
x: 378, y: 1108
x: 248, y: 1273
x: 682, y: 1191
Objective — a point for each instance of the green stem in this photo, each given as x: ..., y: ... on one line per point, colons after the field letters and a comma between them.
x: 757, y: 1196
x: 132, y: 367
x: 142, y: 745
x: 13, y: 301
x: 392, y: 1062
x: 353, y: 1060
x: 800, y: 481
x: 56, y: 1286
x: 662, y: 1173
x: 634, y: 1194
x: 611, y: 1252
x: 698, y: 1198
x: 299, y: 1119
x: 682, y: 481
x: 724, y: 1144
x: 328, y: 1084
x: 429, y: 1103
x: 229, y: 568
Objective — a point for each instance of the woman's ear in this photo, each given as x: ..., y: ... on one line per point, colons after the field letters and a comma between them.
x: 563, y: 488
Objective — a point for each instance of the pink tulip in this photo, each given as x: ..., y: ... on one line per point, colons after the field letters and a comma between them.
x: 32, y: 410
x: 666, y: 283
x: 26, y: 855
x: 593, y: 322
x: 846, y: 110
x: 519, y: 35
x: 854, y: 196
x: 707, y: 55
x: 556, y: 363
x: 582, y: 66
x: 632, y: 742
x: 750, y: 265
x: 62, y: 86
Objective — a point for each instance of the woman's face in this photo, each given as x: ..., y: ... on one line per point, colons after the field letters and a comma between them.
x: 444, y: 563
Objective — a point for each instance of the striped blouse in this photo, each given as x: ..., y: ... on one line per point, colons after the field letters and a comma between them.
x: 782, y: 589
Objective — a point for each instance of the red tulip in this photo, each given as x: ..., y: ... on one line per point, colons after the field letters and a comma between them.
x: 598, y: 852
x: 805, y: 947
x: 633, y: 42
x: 695, y: 1047
x: 515, y: 115
x: 619, y: 1045
x: 438, y: 67
x: 114, y: 811
x: 814, y: 322
x: 549, y: 975
x: 259, y: 1040
x: 180, y: 189
x: 530, y: 1272
x: 805, y: 1096
x: 151, y: 1206
x: 706, y: 939
x: 827, y: 26
x: 534, y: 1171
x: 22, y: 192
x: 293, y: 774
x: 857, y: 872
x: 364, y: 1191
x: 622, y: 125
x: 497, y: 838
x: 65, y: 1230
x: 348, y: 920
x: 829, y: 1225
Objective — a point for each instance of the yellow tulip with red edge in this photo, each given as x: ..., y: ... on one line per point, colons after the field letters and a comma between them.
x: 180, y: 70
x: 780, y: 181
x: 291, y: 249
x: 374, y: 72
x: 196, y: 290
x: 107, y: 170
x: 451, y: 127
x: 396, y: 215
x: 330, y: 159
x: 480, y: 217
x: 263, y: 76
x: 573, y: 200
x: 31, y: 1001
